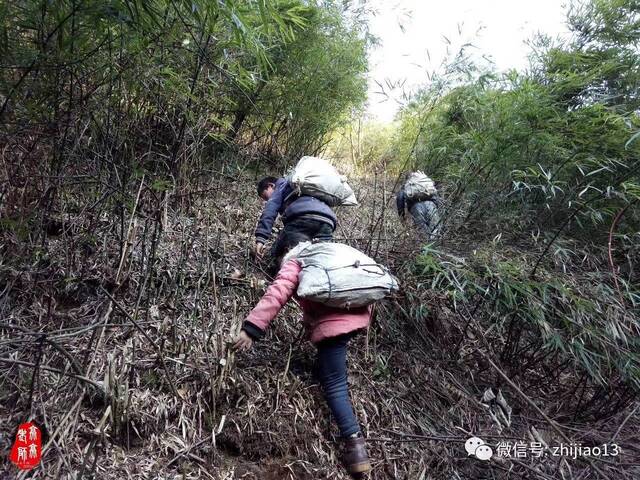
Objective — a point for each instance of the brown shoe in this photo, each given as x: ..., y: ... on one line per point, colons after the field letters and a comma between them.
x: 355, y: 456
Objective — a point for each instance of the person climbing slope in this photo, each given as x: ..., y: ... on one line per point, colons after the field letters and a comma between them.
x: 303, y: 216
x: 330, y: 328
x: 420, y: 197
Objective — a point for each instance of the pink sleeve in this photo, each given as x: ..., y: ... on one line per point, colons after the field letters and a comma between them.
x: 276, y: 296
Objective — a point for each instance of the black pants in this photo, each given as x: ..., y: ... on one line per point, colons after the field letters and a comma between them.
x: 298, y: 230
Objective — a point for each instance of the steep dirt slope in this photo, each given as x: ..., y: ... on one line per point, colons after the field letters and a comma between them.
x: 136, y: 378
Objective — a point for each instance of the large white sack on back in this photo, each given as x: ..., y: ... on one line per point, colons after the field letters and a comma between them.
x: 340, y: 276
x: 419, y: 187
x: 316, y: 177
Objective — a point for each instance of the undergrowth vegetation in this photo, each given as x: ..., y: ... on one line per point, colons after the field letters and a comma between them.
x: 545, y: 329
x: 132, y: 133
x: 96, y: 95
x: 540, y: 172
x: 542, y: 178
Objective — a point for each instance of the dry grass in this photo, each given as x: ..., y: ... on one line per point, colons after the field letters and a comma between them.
x: 145, y: 385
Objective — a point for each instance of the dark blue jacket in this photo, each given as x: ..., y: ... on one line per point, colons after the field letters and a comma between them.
x: 403, y: 202
x: 284, y: 202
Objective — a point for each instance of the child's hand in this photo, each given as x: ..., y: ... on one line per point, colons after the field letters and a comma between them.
x: 243, y: 342
x: 259, y: 249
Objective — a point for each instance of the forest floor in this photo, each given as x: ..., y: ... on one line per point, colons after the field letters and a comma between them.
x: 136, y: 378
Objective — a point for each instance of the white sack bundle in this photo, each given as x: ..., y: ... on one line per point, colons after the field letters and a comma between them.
x: 316, y: 177
x: 419, y: 187
x: 338, y: 275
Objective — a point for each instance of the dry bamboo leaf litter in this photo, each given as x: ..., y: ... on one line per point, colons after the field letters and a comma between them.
x: 258, y: 415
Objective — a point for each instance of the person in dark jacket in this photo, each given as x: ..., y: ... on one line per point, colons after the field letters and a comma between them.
x: 424, y: 212
x: 303, y: 216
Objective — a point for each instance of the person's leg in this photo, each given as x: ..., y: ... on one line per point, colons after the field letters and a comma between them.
x: 434, y: 217
x: 314, y: 229
x: 420, y: 214
x: 332, y: 370
x: 277, y: 250
x: 292, y: 234
x: 332, y: 373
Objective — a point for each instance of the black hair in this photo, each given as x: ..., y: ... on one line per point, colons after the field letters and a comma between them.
x: 264, y: 184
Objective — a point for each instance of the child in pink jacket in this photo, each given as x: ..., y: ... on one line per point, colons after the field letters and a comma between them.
x: 330, y: 329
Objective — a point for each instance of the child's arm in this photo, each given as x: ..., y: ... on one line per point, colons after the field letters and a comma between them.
x: 276, y: 296
x: 271, y: 210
